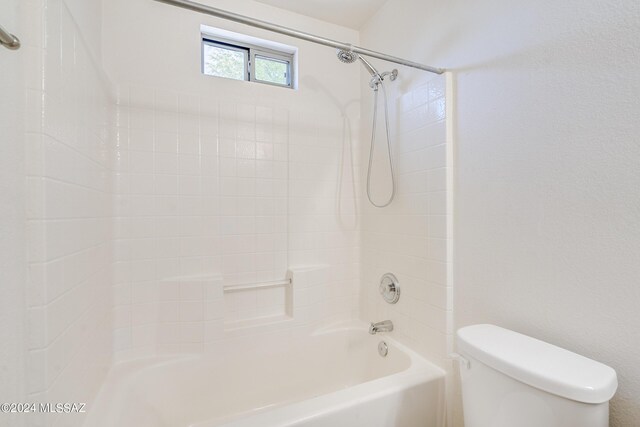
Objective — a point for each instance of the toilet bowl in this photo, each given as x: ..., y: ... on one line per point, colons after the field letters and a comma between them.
x: 512, y: 380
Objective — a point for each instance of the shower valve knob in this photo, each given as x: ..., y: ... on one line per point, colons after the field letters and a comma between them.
x: 389, y: 288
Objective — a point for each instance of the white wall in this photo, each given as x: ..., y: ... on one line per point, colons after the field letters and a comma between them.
x: 68, y: 210
x: 234, y: 181
x: 546, y: 178
x: 55, y: 258
x: 547, y: 204
x: 150, y: 44
x: 12, y: 233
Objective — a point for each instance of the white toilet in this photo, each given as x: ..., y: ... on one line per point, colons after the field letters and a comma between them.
x: 512, y: 380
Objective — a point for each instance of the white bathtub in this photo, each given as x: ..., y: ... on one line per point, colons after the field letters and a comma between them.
x: 331, y: 379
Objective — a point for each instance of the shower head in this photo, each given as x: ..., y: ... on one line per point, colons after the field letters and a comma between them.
x: 349, y: 57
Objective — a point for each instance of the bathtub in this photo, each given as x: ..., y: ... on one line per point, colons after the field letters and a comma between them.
x: 333, y: 378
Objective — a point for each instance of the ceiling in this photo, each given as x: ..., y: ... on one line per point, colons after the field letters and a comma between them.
x: 348, y: 13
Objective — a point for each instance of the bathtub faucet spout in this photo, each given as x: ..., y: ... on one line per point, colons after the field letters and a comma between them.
x: 384, y: 326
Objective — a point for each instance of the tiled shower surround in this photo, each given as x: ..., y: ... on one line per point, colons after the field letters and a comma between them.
x: 153, y: 212
x: 212, y: 195
x: 68, y: 211
x: 410, y: 237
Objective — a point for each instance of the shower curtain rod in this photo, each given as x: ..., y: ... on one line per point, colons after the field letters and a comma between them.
x: 220, y: 13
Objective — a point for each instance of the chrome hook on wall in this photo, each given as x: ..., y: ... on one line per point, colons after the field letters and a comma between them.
x: 8, y: 40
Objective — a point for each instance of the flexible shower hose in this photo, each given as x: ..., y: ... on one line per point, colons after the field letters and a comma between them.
x: 373, y: 141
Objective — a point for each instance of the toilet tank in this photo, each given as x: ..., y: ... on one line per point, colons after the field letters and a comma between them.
x: 512, y: 380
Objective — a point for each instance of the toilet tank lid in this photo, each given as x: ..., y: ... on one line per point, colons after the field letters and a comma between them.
x: 539, y: 364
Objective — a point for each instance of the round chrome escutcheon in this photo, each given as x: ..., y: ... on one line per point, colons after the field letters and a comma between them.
x: 390, y: 288
x: 383, y: 349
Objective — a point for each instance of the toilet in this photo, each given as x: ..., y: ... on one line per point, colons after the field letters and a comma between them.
x: 512, y: 380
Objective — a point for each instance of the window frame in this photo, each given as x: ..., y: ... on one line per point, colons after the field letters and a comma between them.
x: 252, y: 51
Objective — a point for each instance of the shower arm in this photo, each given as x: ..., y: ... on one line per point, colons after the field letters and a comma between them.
x: 220, y: 13
x: 8, y: 40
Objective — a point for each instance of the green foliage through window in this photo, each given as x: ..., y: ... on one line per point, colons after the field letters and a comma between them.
x: 223, y: 62
x: 221, y: 59
x: 271, y: 70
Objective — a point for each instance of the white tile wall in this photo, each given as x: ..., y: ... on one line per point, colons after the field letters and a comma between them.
x: 324, y: 226
x: 69, y: 215
x: 229, y: 179
x: 188, y: 192
x: 12, y: 227
x: 240, y: 191
x: 410, y: 237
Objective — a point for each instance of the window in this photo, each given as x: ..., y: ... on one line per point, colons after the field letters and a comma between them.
x: 244, y: 61
x: 223, y: 60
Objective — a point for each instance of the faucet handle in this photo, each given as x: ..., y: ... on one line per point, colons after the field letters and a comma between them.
x: 389, y: 288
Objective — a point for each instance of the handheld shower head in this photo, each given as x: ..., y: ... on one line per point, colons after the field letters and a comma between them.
x: 349, y: 57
